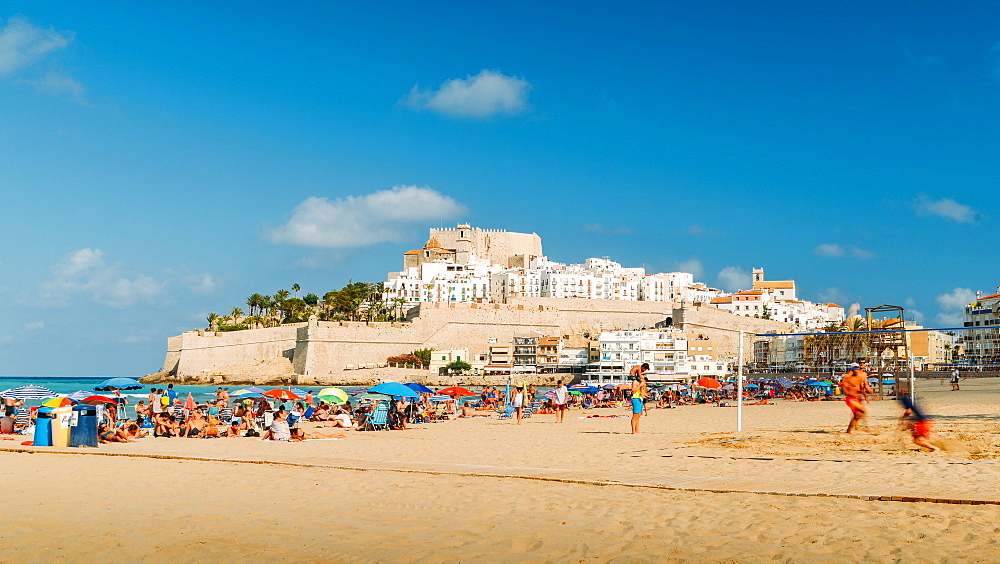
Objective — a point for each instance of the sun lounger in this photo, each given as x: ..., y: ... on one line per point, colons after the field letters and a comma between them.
x: 378, y: 418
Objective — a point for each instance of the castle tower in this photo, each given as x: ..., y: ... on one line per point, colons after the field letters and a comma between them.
x: 758, y: 275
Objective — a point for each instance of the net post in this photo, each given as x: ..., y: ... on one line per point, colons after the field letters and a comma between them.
x: 739, y: 389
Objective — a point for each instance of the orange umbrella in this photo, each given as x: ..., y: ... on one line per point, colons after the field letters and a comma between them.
x: 710, y: 383
x: 456, y: 391
x: 189, y: 403
x: 281, y: 393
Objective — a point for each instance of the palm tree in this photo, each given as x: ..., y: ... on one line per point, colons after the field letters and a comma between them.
x: 255, y: 302
x: 236, y: 314
x: 296, y: 288
x: 213, y: 320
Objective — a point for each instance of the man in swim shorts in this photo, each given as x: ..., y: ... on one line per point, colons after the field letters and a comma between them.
x: 559, y: 401
x: 639, y: 391
x: 918, y: 422
x: 856, y: 388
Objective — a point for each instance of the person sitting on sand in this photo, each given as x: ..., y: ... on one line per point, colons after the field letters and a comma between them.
x: 195, y: 424
x: 165, y: 426
x: 278, y: 431
x: 343, y: 420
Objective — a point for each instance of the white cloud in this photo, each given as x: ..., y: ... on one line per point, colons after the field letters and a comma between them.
x: 133, y: 339
x: 945, y: 207
x: 693, y: 266
x: 956, y: 299
x: 830, y: 250
x: 833, y: 250
x: 4, y: 339
x: 22, y: 44
x: 58, y: 84
x: 486, y: 94
x: 203, y: 283
x: 734, y: 278
x: 85, y: 271
x: 359, y: 221
x: 951, y: 305
x: 34, y: 325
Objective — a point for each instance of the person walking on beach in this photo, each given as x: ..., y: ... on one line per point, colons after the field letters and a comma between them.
x: 517, y: 400
x: 918, y: 422
x: 639, y: 391
x: 559, y: 401
x: 954, y: 379
x: 856, y: 388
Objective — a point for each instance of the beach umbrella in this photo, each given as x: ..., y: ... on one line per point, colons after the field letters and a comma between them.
x: 393, y: 389
x: 250, y: 390
x: 608, y: 386
x: 189, y: 403
x: 333, y: 395
x: 29, y: 392
x: 729, y: 387
x: 456, y: 391
x: 575, y: 393
x: 577, y: 387
x: 710, y: 383
x: 118, y: 384
x: 58, y: 402
x: 888, y: 381
x: 299, y: 392
x: 358, y: 392
x: 97, y: 400
x: 419, y: 388
x: 280, y: 393
x: 785, y: 382
x: 751, y: 386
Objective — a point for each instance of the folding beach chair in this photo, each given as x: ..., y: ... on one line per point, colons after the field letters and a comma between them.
x: 507, y: 414
x: 22, y: 418
x: 378, y: 418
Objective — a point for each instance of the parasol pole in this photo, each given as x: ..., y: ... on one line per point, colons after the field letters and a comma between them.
x: 739, y: 389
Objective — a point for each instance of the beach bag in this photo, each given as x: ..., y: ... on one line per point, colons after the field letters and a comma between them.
x: 164, y: 401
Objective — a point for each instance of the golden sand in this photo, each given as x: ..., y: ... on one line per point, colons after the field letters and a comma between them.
x: 487, y: 489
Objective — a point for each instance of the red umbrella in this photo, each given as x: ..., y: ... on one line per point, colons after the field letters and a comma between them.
x: 456, y: 391
x: 710, y: 383
x: 189, y: 403
x: 281, y: 393
x: 94, y: 400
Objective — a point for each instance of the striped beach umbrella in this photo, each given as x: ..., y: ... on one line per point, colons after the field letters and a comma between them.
x: 80, y: 395
x: 29, y: 392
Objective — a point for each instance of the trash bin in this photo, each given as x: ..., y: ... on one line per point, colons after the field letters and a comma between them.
x: 43, y: 427
x: 84, y: 432
x: 60, y: 426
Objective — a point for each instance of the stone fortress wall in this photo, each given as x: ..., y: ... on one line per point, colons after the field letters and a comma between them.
x: 319, y: 349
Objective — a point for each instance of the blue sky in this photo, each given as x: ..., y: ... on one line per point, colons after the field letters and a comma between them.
x: 163, y: 161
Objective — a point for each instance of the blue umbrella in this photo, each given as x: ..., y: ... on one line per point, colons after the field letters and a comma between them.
x: 419, y: 388
x: 250, y: 395
x: 751, y: 386
x: 393, y: 389
x: 590, y: 390
x: 785, y: 382
x: 29, y: 392
x: 118, y: 384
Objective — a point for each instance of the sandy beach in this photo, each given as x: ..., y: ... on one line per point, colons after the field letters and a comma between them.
x: 795, y: 488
